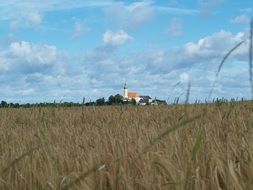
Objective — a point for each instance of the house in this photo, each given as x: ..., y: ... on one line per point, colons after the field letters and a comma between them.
x: 158, y: 102
x: 145, y: 100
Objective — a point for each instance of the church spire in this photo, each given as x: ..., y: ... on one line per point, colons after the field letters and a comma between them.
x: 125, y: 86
x: 125, y: 91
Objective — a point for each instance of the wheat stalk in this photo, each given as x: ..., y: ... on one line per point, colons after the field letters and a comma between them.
x: 221, y: 64
x: 250, y: 56
x: 17, y: 159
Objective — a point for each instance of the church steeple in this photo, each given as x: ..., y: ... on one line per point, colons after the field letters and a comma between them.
x: 125, y: 91
x: 125, y: 86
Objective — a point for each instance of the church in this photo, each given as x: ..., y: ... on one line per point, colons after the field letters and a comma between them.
x: 141, y: 100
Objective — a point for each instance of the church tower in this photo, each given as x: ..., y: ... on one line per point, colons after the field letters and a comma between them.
x: 125, y: 91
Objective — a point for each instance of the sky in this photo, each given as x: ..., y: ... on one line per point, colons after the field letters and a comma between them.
x: 64, y: 50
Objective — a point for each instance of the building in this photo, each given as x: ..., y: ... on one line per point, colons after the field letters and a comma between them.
x: 145, y: 100
x: 158, y: 102
x: 128, y: 96
x: 141, y: 100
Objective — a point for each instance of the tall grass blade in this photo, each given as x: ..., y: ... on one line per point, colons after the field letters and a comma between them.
x: 180, y: 182
x: 17, y: 159
x: 48, y: 150
x: 188, y: 93
x: 82, y: 176
x: 183, y: 123
x: 197, y: 144
x: 249, y: 184
x: 221, y: 64
x: 173, y: 88
x: 250, y: 56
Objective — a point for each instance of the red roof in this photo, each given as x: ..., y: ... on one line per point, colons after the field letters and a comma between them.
x: 132, y: 95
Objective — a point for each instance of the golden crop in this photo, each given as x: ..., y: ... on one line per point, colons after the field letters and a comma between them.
x: 130, y: 147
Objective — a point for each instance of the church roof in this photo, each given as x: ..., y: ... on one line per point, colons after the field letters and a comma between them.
x: 132, y: 95
x: 145, y: 97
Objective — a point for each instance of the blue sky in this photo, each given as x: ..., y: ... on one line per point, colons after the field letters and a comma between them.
x: 64, y: 50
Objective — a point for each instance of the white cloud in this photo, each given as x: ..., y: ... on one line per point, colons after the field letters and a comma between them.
x: 39, y: 72
x: 79, y: 29
x: 175, y: 28
x: 116, y: 38
x: 216, y: 45
x: 208, y: 50
x: 184, y: 77
x: 140, y: 4
x: 136, y: 14
x: 30, y: 19
x: 241, y: 19
x: 35, y: 18
x: 141, y: 15
x: 159, y: 70
x: 24, y: 6
x: 248, y: 10
x: 207, y: 7
x: 32, y: 53
x: 45, y: 74
x: 125, y: 15
x: 130, y: 16
x: 25, y: 91
x: 176, y: 11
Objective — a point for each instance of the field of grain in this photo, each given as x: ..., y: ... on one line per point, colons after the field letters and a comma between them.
x: 127, y: 147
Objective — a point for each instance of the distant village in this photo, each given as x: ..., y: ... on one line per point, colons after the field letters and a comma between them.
x: 126, y: 98
x: 140, y: 99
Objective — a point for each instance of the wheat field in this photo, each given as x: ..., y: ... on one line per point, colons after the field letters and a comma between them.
x: 200, y: 147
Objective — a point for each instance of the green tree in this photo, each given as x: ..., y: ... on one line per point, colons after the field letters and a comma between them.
x: 4, y: 104
x: 133, y: 101
x: 118, y: 99
x: 100, y: 101
x: 111, y: 100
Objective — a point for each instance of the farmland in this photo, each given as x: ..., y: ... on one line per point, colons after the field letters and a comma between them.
x: 208, y: 146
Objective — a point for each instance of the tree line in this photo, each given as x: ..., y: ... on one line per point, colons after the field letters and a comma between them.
x: 112, y: 100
